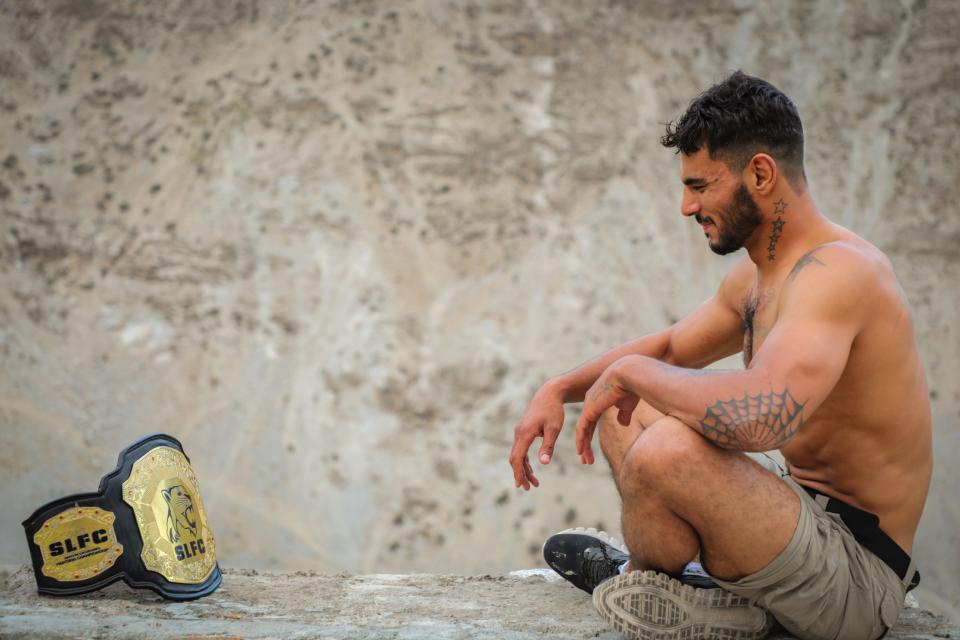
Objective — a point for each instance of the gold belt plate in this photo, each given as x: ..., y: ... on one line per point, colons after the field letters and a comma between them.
x: 78, y: 544
x: 163, y: 492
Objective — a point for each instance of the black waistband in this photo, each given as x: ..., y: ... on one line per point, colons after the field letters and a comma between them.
x: 865, y: 527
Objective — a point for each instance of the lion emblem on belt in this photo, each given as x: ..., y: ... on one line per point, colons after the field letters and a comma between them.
x: 179, y: 513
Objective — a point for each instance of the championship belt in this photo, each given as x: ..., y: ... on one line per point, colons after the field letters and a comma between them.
x: 146, y: 525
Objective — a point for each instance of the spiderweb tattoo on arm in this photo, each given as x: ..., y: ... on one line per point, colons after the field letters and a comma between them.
x: 764, y: 421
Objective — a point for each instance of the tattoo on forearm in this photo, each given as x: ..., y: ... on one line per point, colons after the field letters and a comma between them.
x: 780, y: 207
x: 806, y: 259
x: 761, y: 422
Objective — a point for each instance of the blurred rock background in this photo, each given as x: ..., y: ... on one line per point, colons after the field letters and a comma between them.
x: 335, y: 246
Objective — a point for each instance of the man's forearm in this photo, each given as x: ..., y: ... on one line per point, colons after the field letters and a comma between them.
x: 733, y: 409
x: 574, y: 384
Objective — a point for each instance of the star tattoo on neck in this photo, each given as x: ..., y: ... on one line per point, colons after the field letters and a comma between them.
x: 780, y: 207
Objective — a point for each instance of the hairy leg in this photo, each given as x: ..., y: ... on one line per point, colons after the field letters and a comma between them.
x: 682, y: 494
x: 669, y: 537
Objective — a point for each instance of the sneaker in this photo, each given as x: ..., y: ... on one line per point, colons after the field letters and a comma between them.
x: 585, y: 557
x: 648, y: 605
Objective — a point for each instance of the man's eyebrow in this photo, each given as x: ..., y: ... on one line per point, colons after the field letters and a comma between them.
x: 694, y: 182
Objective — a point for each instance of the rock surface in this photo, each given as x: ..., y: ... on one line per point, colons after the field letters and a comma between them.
x: 250, y: 604
x: 335, y: 246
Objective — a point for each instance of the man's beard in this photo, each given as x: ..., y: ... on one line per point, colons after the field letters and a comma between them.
x: 739, y: 219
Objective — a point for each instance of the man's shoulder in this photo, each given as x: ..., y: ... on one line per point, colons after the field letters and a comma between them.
x: 739, y: 280
x: 851, y: 261
x: 848, y: 275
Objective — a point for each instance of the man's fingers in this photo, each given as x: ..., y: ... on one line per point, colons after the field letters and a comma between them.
x: 588, y: 420
x: 578, y: 439
x: 585, y: 431
x: 522, y: 440
x: 529, y: 471
x: 516, y: 466
x: 517, y: 473
x: 527, y: 475
x: 550, y: 434
x: 588, y: 442
x: 523, y: 475
x: 587, y: 457
x: 625, y: 409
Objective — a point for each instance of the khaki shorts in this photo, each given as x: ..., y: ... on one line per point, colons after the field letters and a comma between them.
x: 824, y: 584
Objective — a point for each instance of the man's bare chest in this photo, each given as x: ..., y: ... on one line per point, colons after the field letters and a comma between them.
x: 758, y: 312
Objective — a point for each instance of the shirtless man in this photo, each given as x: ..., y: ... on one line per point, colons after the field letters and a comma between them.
x: 833, y: 380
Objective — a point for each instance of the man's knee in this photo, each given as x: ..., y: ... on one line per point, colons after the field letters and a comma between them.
x: 659, y: 456
x: 607, y: 425
x: 615, y: 439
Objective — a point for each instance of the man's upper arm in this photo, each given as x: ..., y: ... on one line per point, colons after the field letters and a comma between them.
x: 714, y: 330
x: 824, y: 306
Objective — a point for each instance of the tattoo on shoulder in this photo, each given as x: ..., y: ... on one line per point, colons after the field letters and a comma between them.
x: 764, y: 421
x: 807, y: 258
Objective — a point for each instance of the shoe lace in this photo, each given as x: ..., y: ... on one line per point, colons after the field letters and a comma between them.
x: 598, y: 565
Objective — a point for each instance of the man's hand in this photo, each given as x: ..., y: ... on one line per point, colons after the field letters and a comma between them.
x: 608, y: 391
x: 543, y: 419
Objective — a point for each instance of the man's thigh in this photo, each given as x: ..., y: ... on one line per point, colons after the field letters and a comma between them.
x: 744, y: 514
x: 825, y: 584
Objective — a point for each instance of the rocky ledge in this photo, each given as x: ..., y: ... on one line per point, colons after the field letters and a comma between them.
x: 249, y: 604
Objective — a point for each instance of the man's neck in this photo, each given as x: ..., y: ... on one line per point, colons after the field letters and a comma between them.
x: 792, y: 226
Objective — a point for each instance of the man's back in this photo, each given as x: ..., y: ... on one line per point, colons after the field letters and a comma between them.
x: 869, y: 442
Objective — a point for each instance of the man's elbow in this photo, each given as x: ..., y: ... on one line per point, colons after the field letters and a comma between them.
x: 668, y: 353
x: 755, y: 436
x: 763, y: 445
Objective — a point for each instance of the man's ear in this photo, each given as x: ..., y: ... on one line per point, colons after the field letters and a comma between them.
x: 761, y: 174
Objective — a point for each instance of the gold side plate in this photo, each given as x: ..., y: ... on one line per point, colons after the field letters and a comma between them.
x: 78, y: 544
x: 163, y: 492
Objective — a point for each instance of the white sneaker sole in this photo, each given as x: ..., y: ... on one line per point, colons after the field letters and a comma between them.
x: 648, y: 605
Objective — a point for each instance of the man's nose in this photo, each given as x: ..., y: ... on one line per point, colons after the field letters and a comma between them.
x: 689, y: 206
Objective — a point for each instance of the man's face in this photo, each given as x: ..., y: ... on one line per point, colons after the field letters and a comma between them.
x: 719, y: 201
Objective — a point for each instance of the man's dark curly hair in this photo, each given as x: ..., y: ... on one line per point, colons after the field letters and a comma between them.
x: 738, y: 118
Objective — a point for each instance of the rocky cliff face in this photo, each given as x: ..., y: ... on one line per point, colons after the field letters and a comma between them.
x: 335, y: 246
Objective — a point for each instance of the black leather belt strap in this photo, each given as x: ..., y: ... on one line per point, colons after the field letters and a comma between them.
x: 865, y: 527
